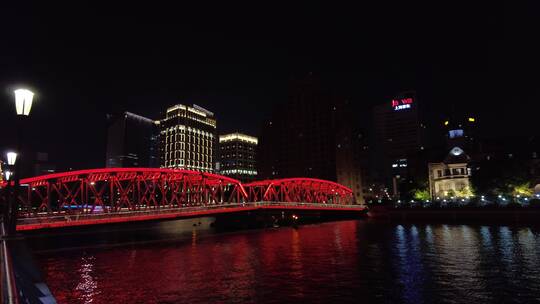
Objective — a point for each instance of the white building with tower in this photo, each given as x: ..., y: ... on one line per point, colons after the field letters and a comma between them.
x: 451, y: 178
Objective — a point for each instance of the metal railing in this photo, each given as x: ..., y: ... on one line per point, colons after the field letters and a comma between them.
x: 7, y: 275
x: 68, y: 217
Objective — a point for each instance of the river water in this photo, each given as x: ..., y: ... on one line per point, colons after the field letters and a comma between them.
x: 333, y: 262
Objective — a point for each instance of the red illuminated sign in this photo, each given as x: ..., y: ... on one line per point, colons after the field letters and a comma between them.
x: 402, y: 103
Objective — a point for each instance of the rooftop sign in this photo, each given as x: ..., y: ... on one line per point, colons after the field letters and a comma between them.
x: 402, y: 103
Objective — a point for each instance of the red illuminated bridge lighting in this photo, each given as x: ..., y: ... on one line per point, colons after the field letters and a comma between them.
x: 309, y: 190
x: 113, y: 195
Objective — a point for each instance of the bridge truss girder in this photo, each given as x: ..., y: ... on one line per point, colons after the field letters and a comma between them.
x: 305, y: 190
x: 132, y: 189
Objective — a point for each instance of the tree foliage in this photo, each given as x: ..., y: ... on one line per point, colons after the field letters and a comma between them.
x: 466, y: 192
x: 522, y: 189
x: 499, y: 177
x: 421, y: 194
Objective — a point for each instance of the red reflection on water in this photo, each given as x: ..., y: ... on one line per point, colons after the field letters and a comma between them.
x: 242, y: 267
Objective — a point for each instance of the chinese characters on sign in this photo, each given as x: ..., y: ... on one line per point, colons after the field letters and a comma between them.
x: 402, y: 103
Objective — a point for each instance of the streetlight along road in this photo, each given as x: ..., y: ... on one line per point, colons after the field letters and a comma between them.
x: 23, y: 105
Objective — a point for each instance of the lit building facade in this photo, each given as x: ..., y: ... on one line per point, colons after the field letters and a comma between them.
x: 1, y: 172
x: 238, y: 154
x: 399, y: 139
x: 188, y: 138
x: 132, y: 141
x: 451, y: 178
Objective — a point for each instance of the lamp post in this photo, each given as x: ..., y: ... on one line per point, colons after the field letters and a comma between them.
x: 23, y: 101
x: 8, y: 191
x: 11, y: 158
x: 23, y: 105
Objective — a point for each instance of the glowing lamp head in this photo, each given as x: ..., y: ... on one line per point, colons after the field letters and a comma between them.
x: 11, y: 158
x: 23, y: 101
x: 8, y: 175
x: 456, y: 151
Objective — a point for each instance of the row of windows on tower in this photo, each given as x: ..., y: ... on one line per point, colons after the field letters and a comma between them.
x: 190, y: 139
x: 239, y: 155
x: 190, y: 148
x: 188, y: 156
x: 188, y: 163
x: 227, y: 147
x: 237, y: 165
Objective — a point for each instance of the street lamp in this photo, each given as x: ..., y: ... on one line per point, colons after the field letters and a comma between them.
x: 11, y: 158
x: 23, y: 101
x: 8, y: 175
x: 23, y: 105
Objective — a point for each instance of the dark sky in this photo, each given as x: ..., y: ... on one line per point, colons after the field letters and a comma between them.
x: 86, y: 59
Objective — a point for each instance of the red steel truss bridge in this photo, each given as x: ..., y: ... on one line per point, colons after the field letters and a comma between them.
x: 116, y: 195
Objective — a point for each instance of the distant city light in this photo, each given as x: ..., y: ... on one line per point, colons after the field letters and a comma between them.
x: 471, y: 119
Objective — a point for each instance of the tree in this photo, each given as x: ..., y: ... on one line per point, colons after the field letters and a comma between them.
x: 421, y: 194
x: 465, y: 192
x: 499, y: 177
x: 414, y: 189
x: 522, y: 189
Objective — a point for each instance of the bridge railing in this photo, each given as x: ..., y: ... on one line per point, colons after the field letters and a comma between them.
x: 7, y: 275
x: 66, y: 217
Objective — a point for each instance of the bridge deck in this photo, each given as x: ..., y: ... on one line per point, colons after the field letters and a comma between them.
x: 60, y: 220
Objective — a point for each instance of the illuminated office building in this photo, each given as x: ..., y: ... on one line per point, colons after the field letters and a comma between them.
x: 187, y: 138
x: 399, y: 139
x: 238, y: 156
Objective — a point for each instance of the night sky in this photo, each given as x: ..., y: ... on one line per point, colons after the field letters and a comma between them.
x: 85, y: 60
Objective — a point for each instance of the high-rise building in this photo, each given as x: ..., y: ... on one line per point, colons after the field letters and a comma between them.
x: 311, y: 135
x: 131, y: 141
x: 238, y: 156
x: 399, y: 139
x: 188, y: 138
